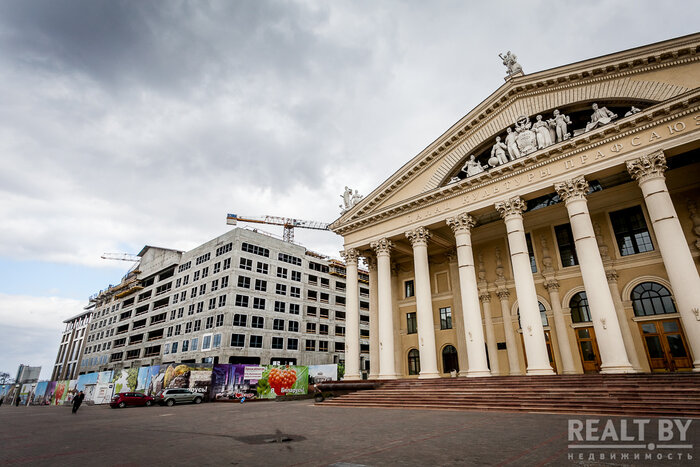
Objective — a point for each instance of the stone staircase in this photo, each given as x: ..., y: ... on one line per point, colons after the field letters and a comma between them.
x: 675, y: 394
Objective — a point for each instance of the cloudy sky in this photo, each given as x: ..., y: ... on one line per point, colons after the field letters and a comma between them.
x: 125, y: 123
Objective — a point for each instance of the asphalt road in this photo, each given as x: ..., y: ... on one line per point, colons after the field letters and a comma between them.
x: 299, y: 433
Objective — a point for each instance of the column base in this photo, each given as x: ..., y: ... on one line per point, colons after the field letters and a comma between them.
x: 478, y: 373
x: 539, y: 371
x: 569, y: 372
x: 373, y: 376
x: 696, y: 365
x: 617, y: 369
x: 429, y: 375
x: 355, y: 377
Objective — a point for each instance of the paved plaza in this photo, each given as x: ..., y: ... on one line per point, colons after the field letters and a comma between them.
x: 299, y: 433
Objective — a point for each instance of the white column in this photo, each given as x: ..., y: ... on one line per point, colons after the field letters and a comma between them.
x: 511, y: 211
x: 567, y: 359
x: 471, y: 311
x: 352, y: 316
x: 386, y: 319
x: 607, y: 328
x: 685, y: 281
x: 485, y: 298
x: 624, y: 323
x: 373, y: 319
x: 424, y: 303
x: 511, y: 342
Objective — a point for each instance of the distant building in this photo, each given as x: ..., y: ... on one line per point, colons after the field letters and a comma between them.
x: 243, y: 297
x: 70, y: 351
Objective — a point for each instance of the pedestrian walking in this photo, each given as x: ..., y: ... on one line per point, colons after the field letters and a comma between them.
x: 77, y: 400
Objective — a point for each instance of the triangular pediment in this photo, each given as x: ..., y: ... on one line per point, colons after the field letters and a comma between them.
x: 638, y: 75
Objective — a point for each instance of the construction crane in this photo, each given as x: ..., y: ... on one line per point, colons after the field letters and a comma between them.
x: 286, y: 222
x: 121, y: 257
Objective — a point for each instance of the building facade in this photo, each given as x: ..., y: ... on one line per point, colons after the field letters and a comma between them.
x: 553, y: 229
x: 72, y: 347
x: 243, y: 297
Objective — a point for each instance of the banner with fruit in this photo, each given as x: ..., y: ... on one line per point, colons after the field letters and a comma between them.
x: 283, y: 380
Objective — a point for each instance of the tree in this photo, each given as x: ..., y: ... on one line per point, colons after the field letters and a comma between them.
x: 5, y: 378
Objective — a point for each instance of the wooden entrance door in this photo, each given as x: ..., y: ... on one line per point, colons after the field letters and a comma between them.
x: 588, y: 350
x: 550, y: 352
x: 665, y: 345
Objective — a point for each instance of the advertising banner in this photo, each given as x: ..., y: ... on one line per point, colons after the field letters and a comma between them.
x: 323, y: 373
x: 147, y: 379
x: 39, y: 393
x: 125, y: 380
x: 90, y: 378
x: 49, y: 393
x: 24, y: 393
x: 102, y: 393
x: 61, y: 392
x: 235, y: 382
x: 193, y: 376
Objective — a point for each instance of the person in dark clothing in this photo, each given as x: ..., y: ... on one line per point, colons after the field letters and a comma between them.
x: 77, y: 400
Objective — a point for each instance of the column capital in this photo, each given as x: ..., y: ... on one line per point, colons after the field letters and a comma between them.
x: 485, y: 296
x: 350, y: 255
x: 511, y: 207
x: 611, y: 275
x: 461, y: 223
x: 572, y: 189
x: 382, y: 247
x: 371, y: 261
x: 551, y: 285
x: 451, y: 255
x: 418, y: 236
x: 647, y: 167
x: 502, y: 294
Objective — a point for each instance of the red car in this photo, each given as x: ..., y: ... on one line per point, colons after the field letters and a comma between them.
x: 123, y: 399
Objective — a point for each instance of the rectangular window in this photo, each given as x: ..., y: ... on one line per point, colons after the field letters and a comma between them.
x: 239, y: 320
x: 260, y: 285
x: 223, y: 249
x: 256, y: 342
x: 340, y: 315
x: 188, y: 328
x: 255, y: 249
x: 292, y: 343
x: 324, y: 313
x: 565, y: 242
x: 293, y: 308
x: 296, y: 276
x: 289, y: 259
x: 200, y: 307
x: 280, y: 306
x: 215, y: 285
x: 202, y: 289
x: 205, y: 272
x: 311, y: 328
x: 310, y: 345
x: 195, y: 276
x: 212, y: 303
x: 190, y: 310
x: 281, y: 272
x: 258, y: 303
x: 631, y: 232
x: 206, y: 342
x: 227, y: 263
x: 197, y: 325
x: 185, y: 346
x: 261, y: 268
x: 340, y: 346
x: 222, y: 301
x: 209, y: 323
x: 278, y: 325
x: 195, y: 343
x: 293, y: 326
x: 258, y: 322
x: 277, y: 343
x: 224, y: 282
x: 217, y: 341
x: 446, y: 318
x: 244, y: 282
x: 246, y: 264
x: 408, y: 290
x: 323, y: 346
x: 323, y: 329
x: 217, y: 267
x: 339, y: 300
x: 295, y: 292
x: 411, y: 324
x: 281, y: 289
x: 339, y: 331
x: 193, y: 292
x: 242, y: 300
x: 311, y: 311
x: 173, y: 347
x: 237, y: 340
x: 178, y: 329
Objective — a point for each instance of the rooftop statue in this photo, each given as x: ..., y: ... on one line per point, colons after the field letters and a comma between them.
x: 601, y: 116
x: 632, y: 111
x: 510, y: 60
x: 498, y: 153
x: 472, y: 166
x: 513, y: 150
x: 541, y: 128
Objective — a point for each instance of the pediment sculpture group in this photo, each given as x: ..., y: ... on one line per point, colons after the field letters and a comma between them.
x: 527, y: 137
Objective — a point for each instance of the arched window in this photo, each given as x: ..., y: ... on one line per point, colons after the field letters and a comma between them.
x: 543, y: 315
x: 650, y: 298
x: 413, y: 362
x: 449, y: 359
x: 580, y: 313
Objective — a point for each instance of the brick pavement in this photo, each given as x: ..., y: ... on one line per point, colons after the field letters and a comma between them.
x: 294, y: 433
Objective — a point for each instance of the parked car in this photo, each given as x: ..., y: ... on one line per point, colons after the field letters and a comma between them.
x: 171, y: 397
x: 123, y: 399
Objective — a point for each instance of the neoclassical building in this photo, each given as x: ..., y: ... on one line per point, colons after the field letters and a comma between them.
x: 553, y: 229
